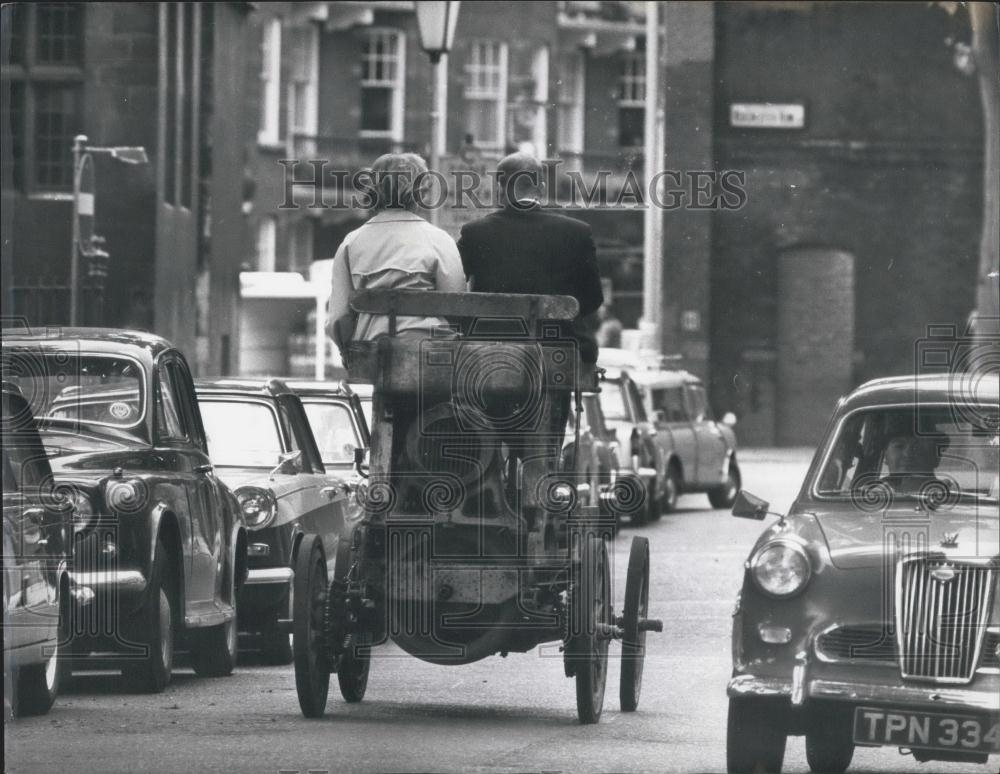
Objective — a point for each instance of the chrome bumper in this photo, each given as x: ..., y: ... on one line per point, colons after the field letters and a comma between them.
x: 891, y: 695
x: 85, y: 586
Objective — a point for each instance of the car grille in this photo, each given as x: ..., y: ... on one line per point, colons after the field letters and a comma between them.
x: 873, y: 642
x: 942, y: 609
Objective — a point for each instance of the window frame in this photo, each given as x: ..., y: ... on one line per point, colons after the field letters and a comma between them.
x: 397, y: 108
x: 570, y: 99
x: 631, y: 88
x: 475, y: 93
x: 269, y: 120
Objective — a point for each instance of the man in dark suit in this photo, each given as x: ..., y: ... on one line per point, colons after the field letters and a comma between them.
x: 522, y: 248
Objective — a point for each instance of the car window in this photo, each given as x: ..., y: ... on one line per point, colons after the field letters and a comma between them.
x: 241, y: 433
x: 670, y: 400
x: 10, y: 484
x: 905, y: 452
x: 698, y: 403
x: 184, y: 401
x: 169, y: 425
x: 334, y: 430
x: 613, y: 402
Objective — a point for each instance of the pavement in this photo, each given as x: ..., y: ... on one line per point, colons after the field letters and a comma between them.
x: 514, y: 714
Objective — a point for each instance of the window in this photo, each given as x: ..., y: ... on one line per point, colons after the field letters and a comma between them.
x: 303, y: 90
x: 168, y: 415
x: 570, y: 101
x: 270, y: 83
x: 632, y: 99
x: 486, y: 93
x: 527, y: 118
x: 335, y: 432
x: 383, y: 61
x: 613, y: 402
x: 43, y: 87
x: 670, y: 401
x: 241, y: 433
x: 698, y: 403
x: 267, y: 244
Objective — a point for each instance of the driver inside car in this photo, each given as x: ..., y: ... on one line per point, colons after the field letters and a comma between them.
x: 911, y: 461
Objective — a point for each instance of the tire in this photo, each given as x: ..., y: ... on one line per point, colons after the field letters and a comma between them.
x: 154, y: 629
x: 37, y: 686
x: 830, y: 742
x: 276, y: 647
x: 352, y: 674
x: 636, y: 608
x: 312, y: 673
x: 725, y: 495
x: 671, y: 491
x: 591, y: 607
x: 756, y: 736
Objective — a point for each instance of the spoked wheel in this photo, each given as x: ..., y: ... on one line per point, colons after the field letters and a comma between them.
x: 634, y: 640
x: 591, y: 619
x: 312, y: 673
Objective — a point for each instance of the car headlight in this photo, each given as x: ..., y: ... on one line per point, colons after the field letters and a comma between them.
x: 780, y: 569
x: 258, y: 505
x: 83, y: 510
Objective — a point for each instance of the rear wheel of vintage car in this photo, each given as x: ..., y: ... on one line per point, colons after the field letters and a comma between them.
x: 756, y: 735
x: 590, y: 612
x: 829, y: 741
x: 213, y: 649
x: 634, y: 641
x: 154, y: 630
x: 352, y: 673
x: 36, y: 686
x: 312, y: 673
x: 725, y: 495
x: 670, y: 492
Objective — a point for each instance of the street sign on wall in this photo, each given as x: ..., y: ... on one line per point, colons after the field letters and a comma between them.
x: 767, y: 115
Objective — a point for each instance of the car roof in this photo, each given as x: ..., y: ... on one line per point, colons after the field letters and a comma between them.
x: 228, y: 386
x: 954, y: 389
x: 109, y: 340
x: 663, y: 378
x: 339, y: 389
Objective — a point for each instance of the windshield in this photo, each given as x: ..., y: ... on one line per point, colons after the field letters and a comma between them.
x: 241, y: 434
x: 100, y: 394
x: 613, y: 402
x: 931, y: 451
x: 334, y: 430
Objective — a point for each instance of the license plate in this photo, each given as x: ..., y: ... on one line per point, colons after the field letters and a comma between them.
x: 928, y: 730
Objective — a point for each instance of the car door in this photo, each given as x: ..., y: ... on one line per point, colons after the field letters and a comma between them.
x: 710, y: 441
x: 673, y: 426
x: 338, y: 426
x: 190, y: 464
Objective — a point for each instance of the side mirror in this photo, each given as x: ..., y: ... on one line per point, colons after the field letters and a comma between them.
x: 360, y: 452
x: 748, y: 506
x: 287, y: 462
x: 729, y: 419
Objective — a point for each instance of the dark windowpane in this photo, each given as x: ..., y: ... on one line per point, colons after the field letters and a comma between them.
x: 58, y: 33
x: 16, y: 128
x: 14, y: 27
x: 57, y: 117
x: 376, y: 109
x: 631, y: 127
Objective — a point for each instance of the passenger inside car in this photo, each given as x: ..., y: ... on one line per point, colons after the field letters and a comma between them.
x: 909, y: 462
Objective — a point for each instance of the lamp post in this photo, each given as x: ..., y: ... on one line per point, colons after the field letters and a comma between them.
x: 436, y: 20
x: 83, y: 205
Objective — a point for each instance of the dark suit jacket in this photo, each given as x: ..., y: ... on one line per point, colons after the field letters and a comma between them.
x: 535, y: 251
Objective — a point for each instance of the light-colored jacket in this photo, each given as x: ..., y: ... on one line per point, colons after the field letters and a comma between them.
x: 395, y: 249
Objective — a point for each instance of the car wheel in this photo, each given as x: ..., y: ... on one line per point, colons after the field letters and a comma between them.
x: 829, y: 742
x: 213, y: 649
x: 725, y: 495
x: 36, y: 686
x: 154, y: 630
x: 352, y: 673
x: 671, y: 491
x: 755, y: 736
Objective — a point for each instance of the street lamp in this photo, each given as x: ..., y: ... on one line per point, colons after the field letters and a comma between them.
x: 436, y: 20
x: 83, y: 205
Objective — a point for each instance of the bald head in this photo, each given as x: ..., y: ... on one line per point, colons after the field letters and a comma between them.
x: 520, y: 179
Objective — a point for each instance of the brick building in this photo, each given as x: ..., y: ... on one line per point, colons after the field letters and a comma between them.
x: 164, y: 76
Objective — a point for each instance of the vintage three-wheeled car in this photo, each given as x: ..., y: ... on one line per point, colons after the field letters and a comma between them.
x: 471, y: 542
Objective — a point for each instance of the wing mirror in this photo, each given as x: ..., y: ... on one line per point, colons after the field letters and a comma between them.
x: 748, y: 506
x: 729, y: 419
x: 360, y: 452
x: 287, y: 463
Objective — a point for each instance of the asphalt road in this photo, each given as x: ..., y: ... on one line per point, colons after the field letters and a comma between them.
x: 499, y: 715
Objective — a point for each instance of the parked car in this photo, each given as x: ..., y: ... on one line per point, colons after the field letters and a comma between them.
x: 37, y: 555
x: 262, y: 444
x: 159, y: 550
x: 674, y: 443
x: 869, y: 615
x: 339, y: 421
